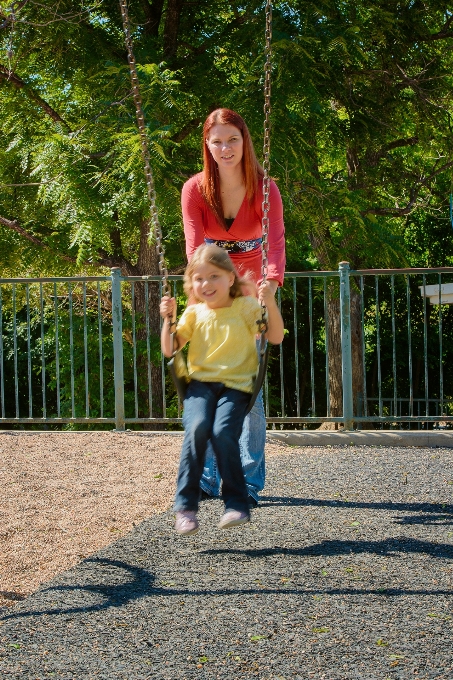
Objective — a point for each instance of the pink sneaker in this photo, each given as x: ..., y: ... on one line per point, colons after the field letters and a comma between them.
x: 232, y: 518
x: 186, y: 522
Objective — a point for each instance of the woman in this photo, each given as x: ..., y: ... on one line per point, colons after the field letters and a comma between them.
x: 223, y: 205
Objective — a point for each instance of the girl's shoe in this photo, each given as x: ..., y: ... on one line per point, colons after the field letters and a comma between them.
x: 186, y: 522
x: 232, y: 518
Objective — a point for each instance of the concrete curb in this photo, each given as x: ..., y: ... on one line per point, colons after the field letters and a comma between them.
x: 427, y: 439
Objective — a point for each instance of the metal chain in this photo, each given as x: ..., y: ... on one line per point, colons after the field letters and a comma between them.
x: 10, y: 49
x: 267, y: 141
x: 156, y: 230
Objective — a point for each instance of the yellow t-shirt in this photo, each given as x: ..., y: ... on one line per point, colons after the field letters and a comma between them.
x: 222, y: 342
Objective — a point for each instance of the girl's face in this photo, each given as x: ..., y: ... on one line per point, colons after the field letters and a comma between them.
x: 212, y: 285
x: 226, y: 144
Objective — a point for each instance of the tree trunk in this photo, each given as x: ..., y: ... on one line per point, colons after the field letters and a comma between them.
x: 334, y: 357
x: 171, y: 28
x: 153, y: 14
x: 147, y: 265
x: 335, y: 354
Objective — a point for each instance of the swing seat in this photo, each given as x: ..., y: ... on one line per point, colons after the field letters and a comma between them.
x: 179, y: 374
x: 261, y: 373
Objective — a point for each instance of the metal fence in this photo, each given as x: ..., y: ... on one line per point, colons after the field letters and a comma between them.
x: 361, y: 347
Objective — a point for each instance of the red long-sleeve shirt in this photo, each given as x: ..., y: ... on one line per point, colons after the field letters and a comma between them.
x: 200, y: 223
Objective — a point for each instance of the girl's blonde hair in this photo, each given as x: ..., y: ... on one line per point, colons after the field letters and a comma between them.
x: 219, y: 258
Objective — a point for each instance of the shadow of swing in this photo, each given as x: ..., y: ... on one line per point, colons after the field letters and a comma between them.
x: 436, y: 514
x: 141, y: 584
x: 387, y: 547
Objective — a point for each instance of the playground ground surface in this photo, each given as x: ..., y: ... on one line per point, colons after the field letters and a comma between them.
x: 345, y: 571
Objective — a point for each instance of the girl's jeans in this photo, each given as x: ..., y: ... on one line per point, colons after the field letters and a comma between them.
x: 251, y: 443
x: 215, y: 413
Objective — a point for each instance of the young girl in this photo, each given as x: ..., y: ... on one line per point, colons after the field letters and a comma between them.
x: 222, y: 363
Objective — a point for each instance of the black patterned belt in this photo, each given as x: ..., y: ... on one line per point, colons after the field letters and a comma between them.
x: 236, y: 246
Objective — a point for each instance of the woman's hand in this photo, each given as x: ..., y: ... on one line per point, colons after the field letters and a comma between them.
x: 167, y: 307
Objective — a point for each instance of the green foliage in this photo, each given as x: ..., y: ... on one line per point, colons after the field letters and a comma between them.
x: 361, y: 140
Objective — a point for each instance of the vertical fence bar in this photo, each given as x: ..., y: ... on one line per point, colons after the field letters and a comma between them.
x: 362, y: 308
x: 2, y: 368
x: 441, y: 365
x: 312, y: 365
x: 118, y: 366
x: 85, y: 350
x: 134, y: 349
x: 326, y: 344
x: 425, y: 346
x: 179, y: 400
x: 148, y: 350
x: 346, y: 354
x: 266, y: 395
x: 16, y: 376
x: 71, y: 351
x: 282, y: 383
x: 43, y: 353
x: 395, y: 396
x: 162, y: 361
x: 57, y: 351
x: 378, y: 345
x: 296, y: 347
x: 101, y: 358
x: 30, y: 394
x: 409, y: 344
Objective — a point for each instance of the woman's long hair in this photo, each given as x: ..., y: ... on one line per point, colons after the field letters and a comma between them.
x: 219, y: 258
x: 251, y: 169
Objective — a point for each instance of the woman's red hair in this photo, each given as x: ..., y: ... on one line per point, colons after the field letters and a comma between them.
x: 251, y: 169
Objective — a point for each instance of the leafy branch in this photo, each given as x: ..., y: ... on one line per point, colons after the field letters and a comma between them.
x: 105, y: 260
x: 19, y: 83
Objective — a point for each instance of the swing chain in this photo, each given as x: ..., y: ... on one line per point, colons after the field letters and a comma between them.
x: 156, y: 230
x: 266, y: 146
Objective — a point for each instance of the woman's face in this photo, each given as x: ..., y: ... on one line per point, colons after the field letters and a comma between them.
x: 226, y: 144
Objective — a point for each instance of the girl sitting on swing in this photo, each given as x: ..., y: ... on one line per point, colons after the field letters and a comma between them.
x: 222, y: 364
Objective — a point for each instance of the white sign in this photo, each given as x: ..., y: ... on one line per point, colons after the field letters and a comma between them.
x: 446, y: 293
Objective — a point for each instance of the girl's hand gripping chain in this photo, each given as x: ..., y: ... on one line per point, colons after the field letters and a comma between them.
x: 167, y: 311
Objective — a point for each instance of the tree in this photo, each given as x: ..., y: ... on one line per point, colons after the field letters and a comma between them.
x: 72, y: 166
x: 371, y: 109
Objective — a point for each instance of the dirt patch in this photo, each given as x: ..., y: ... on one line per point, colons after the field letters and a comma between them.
x: 67, y: 495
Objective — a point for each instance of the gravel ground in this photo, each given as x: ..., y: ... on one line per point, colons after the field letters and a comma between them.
x: 345, y: 572
x: 66, y: 495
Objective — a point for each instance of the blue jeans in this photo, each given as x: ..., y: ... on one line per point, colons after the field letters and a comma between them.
x: 251, y: 443
x: 215, y: 413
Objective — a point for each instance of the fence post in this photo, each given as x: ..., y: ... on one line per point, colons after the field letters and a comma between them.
x: 118, y: 369
x: 346, y: 354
